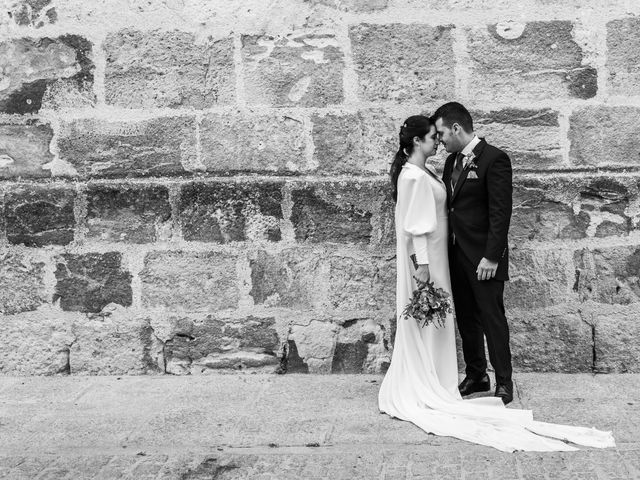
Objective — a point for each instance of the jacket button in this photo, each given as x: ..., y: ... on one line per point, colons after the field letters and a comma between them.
x: 451, y: 210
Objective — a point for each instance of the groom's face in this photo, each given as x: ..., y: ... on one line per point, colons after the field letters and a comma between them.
x: 447, y: 137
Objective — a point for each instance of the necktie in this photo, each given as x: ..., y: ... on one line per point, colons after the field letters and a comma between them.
x: 457, y: 169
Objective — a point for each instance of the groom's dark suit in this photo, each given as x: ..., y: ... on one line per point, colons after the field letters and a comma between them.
x: 479, y: 216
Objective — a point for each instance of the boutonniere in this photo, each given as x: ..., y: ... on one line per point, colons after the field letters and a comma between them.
x: 470, y: 162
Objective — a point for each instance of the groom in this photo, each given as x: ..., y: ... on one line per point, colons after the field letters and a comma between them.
x: 478, y: 180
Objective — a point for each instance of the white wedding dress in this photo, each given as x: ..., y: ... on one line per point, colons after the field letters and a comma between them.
x: 421, y: 383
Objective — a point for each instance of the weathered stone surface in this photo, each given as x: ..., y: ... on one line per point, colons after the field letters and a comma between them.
x: 555, y: 339
x: 539, y: 279
x: 531, y: 138
x: 22, y: 285
x: 532, y: 61
x: 293, y: 278
x: 36, y: 71
x: 360, y: 6
x: 359, y: 143
x: 195, y: 345
x: 360, y: 348
x: 115, y: 343
x: 608, y: 274
x: 623, y: 56
x: 227, y: 212
x: 617, y: 329
x: 316, y: 344
x: 294, y: 363
x: 340, y: 212
x: 39, y: 215
x: 89, y: 282
x: 604, y: 136
x: 189, y: 280
x: 24, y: 149
x: 100, y: 148
x: 33, y: 13
x: 253, y: 143
x: 361, y: 282
x: 35, y: 343
x: 542, y: 210
x: 390, y: 61
x: 168, y: 69
x: 302, y: 69
x: 128, y: 213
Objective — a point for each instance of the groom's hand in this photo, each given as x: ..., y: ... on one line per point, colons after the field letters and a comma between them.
x: 486, y: 269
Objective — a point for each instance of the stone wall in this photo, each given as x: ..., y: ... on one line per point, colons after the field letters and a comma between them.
x: 190, y: 186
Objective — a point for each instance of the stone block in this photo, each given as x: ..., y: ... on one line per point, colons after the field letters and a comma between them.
x: 316, y: 343
x: 300, y: 69
x: 33, y: 13
x: 361, y: 282
x: 168, y: 69
x: 36, y: 343
x: 340, y: 212
x: 88, y: 282
x: 542, y: 210
x: 128, y: 213
x: 531, y: 138
x: 22, y: 283
x: 189, y: 280
x: 295, y: 277
x: 39, y: 215
x: 359, y: 6
x: 616, y: 338
x: 554, y: 339
x: 129, y: 148
x: 116, y: 343
x: 539, y: 279
x: 360, y: 347
x: 277, y: 143
x: 24, y: 149
x: 604, y: 136
x: 294, y: 362
x: 223, y: 212
x: 355, y: 143
x: 608, y: 274
x: 390, y: 62
x: 49, y: 72
x: 623, y: 56
x: 528, y: 61
x: 197, y: 344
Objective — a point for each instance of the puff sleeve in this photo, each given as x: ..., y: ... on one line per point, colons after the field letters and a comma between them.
x: 418, y: 217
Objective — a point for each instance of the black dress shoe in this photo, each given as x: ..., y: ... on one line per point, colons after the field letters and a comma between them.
x: 505, y: 392
x: 470, y: 385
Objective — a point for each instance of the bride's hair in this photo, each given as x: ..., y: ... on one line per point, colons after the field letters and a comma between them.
x: 414, y: 126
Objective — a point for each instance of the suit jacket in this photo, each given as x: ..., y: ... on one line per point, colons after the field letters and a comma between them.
x: 480, y: 208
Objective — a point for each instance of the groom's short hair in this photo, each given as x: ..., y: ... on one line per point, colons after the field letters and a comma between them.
x: 454, y: 112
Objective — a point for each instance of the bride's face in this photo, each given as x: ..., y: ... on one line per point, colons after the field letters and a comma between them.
x: 429, y: 145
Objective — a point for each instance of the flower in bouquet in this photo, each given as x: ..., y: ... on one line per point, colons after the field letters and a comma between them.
x: 428, y: 305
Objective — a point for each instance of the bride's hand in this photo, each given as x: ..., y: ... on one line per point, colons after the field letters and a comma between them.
x: 423, y: 273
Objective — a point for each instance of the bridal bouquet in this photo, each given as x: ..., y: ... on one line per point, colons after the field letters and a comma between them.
x: 428, y: 305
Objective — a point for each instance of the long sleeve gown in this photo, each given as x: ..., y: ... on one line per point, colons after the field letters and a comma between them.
x: 421, y: 383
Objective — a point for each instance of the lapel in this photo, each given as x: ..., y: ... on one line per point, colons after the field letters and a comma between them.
x: 477, y: 151
x: 446, y: 177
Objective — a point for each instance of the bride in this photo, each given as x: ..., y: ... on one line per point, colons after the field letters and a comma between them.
x: 421, y: 385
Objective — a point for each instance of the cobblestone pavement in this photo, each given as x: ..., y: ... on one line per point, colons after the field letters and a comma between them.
x: 288, y: 427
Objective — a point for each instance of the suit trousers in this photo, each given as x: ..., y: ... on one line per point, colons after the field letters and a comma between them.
x: 479, y: 307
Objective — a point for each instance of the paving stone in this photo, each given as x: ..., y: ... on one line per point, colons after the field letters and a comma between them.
x: 22, y: 283
x: 39, y: 215
x: 51, y: 72
x: 33, y: 13
x: 128, y: 213
x: 537, y: 60
x: 189, y: 280
x: 302, y: 69
x: 389, y: 62
x: 531, y: 138
x: 168, y: 69
x: 603, y: 136
x: 128, y: 148
x: 226, y: 212
x: 88, y: 282
x: 623, y: 44
x: 277, y: 143
x: 24, y: 149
